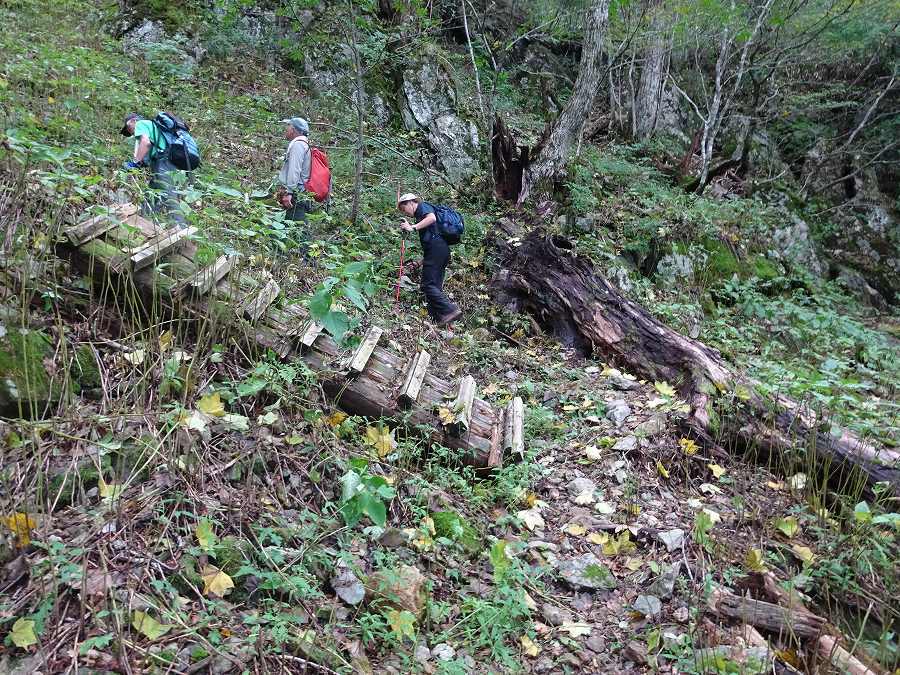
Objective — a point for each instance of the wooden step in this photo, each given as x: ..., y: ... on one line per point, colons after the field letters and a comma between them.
x: 361, y: 356
x: 156, y: 248
x: 513, y: 438
x: 83, y: 232
x: 462, y: 405
x: 255, y: 305
x: 415, y: 376
x: 206, y: 279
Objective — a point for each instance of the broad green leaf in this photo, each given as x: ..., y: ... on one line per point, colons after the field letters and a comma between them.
x: 205, y: 535
x: 337, y: 324
x: 319, y: 304
x: 755, y: 560
x: 862, y: 513
x: 499, y: 559
x: 402, y: 623
x: 788, y: 526
x: 373, y: 507
x: 22, y: 634
x: 149, y: 627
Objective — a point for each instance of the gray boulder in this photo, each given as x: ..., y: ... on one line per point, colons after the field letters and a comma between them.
x: 675, y: 267
x: 793, y: 244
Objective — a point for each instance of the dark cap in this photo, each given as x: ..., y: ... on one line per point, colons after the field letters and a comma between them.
x: 128, y: 118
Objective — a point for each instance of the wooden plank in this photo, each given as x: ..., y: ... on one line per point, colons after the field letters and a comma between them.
x: 415, y: 375
x: 364, y: 350
x: 204, y: 280
x: 312, y: 331
x: 513, y: 439
x: 157, y: 248
x: 462, y: 405
x: 92, y: 228
x: 254, y: 307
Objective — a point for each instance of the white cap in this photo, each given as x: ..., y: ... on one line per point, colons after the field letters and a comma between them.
x: 408, y: 197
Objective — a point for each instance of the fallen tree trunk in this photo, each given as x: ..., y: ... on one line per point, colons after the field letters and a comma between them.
x: 541, y: 275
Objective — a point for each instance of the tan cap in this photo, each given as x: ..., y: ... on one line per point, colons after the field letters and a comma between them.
x: 408, y: 197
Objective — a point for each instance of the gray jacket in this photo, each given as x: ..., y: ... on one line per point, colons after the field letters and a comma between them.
x: 295, y: 170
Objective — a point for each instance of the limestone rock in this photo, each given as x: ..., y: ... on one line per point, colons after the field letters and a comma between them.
x: 401, y: 588
x: 347, y: 585
x: 587, y: 572
x: 675, y: 267
x: 618, y: 412
x: 792, y: 243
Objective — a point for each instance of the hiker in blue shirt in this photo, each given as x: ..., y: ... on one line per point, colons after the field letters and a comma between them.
x: 295, y: 170
x: 435, y: 257
x: 150, y: 150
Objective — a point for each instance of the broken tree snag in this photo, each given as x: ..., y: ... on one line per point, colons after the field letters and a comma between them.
x: 364, y: 350
x: 766, y: 615
x: 509, y: 161
x: 92, y: 228
x: 156, y: 248
x: 540, y: 275
x: 462, y: 406
x: 415, y: 375
x: 513, y: 439
x: 254, y: 307
x: 204, y: 280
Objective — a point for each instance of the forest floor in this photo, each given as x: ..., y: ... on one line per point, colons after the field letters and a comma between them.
x: 184, y: 506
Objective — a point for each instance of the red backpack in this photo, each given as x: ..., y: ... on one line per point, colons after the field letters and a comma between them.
x: 319, y: 183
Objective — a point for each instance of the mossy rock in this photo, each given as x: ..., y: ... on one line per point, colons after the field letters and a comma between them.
x: 84, y: 371
x: 26, y: 387
x: 451, y: 525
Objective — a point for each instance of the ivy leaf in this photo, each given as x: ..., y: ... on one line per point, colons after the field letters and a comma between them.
x: 205, y: 535
x: 788, y: 526
x: 216, y: 582
x: 402, y: 623
x: 149, y: 627
x: 22, y: 634
x: 212, y: 405
x: 755, y: 561
x: 382, y: 439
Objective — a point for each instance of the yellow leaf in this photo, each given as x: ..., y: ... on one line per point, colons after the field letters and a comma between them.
x: 529, y: 647
x: 788, y: 526
x: 755, y: 560
x: 216, y: 582
x: 663, y: 471
x: 598, y: 538
x: 335, y: 419
x: 688, y: 446
x: 21, y: 525
x: 447, y: 418
x: 490, y: 389
x: 22, y: 633
x: 212, y: 405
x: 804, y: 553
x: 402, y: 623
x: 148, y: 626
x: 165, y: 341
x: 717, y: 471
x: 620, y: 544
x: 742, y: 392
x: 531, y: 499
x: 775, y: 485
x: 665, y: 389
x: 109, y: 491
x: 634, y: 564
x: 382, y: 439
x: 575, y: 530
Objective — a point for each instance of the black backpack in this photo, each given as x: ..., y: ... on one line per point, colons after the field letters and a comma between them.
x: 181, y: 147
x: 450, y: 223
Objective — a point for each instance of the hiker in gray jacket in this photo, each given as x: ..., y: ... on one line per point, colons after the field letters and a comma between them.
x: 291, y: 193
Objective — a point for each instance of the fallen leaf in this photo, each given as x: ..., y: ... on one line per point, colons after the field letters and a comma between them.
x: 336, y: 418
x: 593, y: 453
x: 665, y: 389
x: 529, y: 647
x: 402, y: 623
x: 663, y: 471
x: 755, y: 560
x: 634, y: 564
x: 21, y: 525
x: 22, y: 634
x: 775, y: 485
x: 797, y: 481
x: 585, y: 498
x: 165, y: 340
x: 109, y: 491
x: 804, y: 553
x: 529, y: 601
x: 193, y: 420
x: 446, y: 417
x: 788, y: 526
x: 269, y: 418
x: 688, y: 446
x: 717, y: 471
x: 575, y: 629
x: 489, y: 390
x: 236, y: 422
x: 216, y: 582
x: 598, y: 538
x: 532, y: 518
x: 574, y: 529
x: 714, y: 516
x: 149, y: 627
x: 382, y: 439
x: 135, y: 357
x: 710, y: 489
x: 212, y: 405
x: 620, y: 544
x: 604, y: 508
x: 205, y: 535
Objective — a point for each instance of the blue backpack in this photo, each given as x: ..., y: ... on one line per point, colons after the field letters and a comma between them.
x: 450, y: 224
x: 181, y: 147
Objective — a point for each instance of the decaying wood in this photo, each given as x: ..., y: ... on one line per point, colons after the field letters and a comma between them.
x: 364, y: 350
x: 462, y: 405
x: 154, y: 249
x: 415, y: 375
x: 91, y: 228
x: 540, y: 275
x: 312, y: 331
x: 254, y: 307
x: 833, y: 653
x: 204, y: 280
x: 513, y: 441
x: 766, y: 615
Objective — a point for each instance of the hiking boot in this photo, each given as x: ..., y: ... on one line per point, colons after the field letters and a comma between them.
x: 449, y: 318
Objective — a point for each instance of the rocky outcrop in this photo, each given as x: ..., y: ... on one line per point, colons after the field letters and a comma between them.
x: 793, y: 245
x: 429, y: 105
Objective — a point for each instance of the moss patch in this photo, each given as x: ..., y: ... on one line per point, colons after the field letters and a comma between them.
x: 25, y: 384
x: 84, y: 371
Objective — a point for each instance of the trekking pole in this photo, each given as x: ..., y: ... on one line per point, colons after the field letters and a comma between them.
x: 400, y: 271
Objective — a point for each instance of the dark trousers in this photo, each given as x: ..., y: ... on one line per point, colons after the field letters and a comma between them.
x: 434, y: 264
x: 299, y: 210
x: 163, y: 200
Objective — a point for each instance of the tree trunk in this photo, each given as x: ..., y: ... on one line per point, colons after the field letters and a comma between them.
x: 553, y: 152
x: 570, y: 299
x: 650, y: 87
x: 360, y: 99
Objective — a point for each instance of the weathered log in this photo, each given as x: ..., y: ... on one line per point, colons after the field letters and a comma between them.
x: 541, y: 275
x: 766, y: 615
x: 415, y: 375
x: 831, y: 651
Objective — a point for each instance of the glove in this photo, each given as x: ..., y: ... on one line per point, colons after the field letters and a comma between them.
x: 131, y: 164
